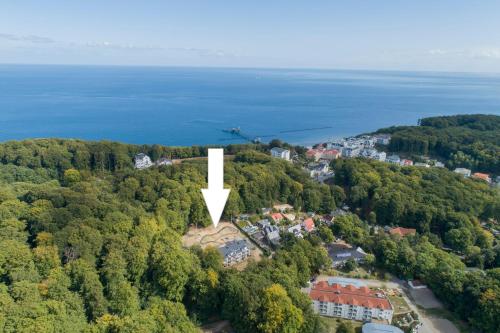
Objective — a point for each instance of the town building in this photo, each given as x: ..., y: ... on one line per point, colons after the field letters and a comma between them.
x: 308, y: 225
x: 341, y: 253
x: 463, y: 171
x: 272, y: 234
x: 400, y: 231
x: 438, y: 164
x: 234, y: 251
x: 263, y: 223
x: 351, y: 151
x: 330, y: 154
x: 319, y: 171
x: 142, y: 161
x: 383, y: 139
x: 314, y: 154
x: 374, y: 154
x: 277, y: 217
x: 406, y: 162
x: 393, y: 159
x: 280, y: 153
x: 296, y: 230
x: 350, y: 302
x: 380, y: 328
x: 163, y: 161
x: 482, y: 176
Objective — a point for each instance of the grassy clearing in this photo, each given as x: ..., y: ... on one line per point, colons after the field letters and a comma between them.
x: 333, y: 323
x: 399, y: 304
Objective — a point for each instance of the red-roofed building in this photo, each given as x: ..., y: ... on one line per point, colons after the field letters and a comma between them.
x: 402, y: 231
x: 482, y: 176
x: 350, y: 302
x: 314, y: 153
x: 277, y: 217
x: 308, y: 225
x: 406, y: 162
x: 330, y: 154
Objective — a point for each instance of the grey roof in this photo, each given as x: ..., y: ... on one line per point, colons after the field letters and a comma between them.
x: 233, y: 246
x: 141, y: 156
x: 380, y: 328
x: 340, y: 252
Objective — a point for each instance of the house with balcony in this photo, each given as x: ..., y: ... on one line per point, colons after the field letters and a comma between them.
x: 234, y: 251
x: 350, y: 302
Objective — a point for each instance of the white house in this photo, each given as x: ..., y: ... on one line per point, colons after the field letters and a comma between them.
x: 393, y: 159
x: 234, y: 251
x: 350, y: 302
x: 296, y: 230
x: 280, y: 153
x: 142, y: 161
x: 383, y: 139
x: 163, y: 161
x: 463, y: 171
x: 351, y: 151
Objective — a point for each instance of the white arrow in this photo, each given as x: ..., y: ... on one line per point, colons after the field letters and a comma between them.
x: 215, y: 195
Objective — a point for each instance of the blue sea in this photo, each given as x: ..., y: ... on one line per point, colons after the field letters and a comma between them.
x: 188, y: 106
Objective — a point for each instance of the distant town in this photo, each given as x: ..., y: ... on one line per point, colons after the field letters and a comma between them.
x: 379, y: 307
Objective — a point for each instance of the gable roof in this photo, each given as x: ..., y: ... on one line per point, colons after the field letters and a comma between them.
x: 483, y: 176
x: 350, y: 295
x: 276, y: 216
x: 308, y: 224
x: 233, y: 246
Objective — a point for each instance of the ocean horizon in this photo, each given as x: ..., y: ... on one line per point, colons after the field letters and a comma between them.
x: 194, y: 105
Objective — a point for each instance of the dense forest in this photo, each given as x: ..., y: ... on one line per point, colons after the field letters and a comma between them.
x: 446, y: 209
x: 90, y: 244
x: 470, y: 141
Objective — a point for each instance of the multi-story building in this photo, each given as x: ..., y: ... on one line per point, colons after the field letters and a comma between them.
x: 463, y: 171
x: 350, y: 302
x: 142, y: 161
x: 234, y: 251
x: 280, y: 153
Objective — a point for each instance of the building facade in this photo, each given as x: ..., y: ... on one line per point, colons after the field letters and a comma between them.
x: 234, y: 251
x: 350, y: 302
x: 142, y: 161
x: 280, y: 153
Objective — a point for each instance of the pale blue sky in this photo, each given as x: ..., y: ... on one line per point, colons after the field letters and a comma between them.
x: 448, y: 35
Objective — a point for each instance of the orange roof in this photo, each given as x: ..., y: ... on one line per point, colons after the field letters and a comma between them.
x: 276, y: 216
x: 402, y: 231
x: 349, y: 295
x: 483, y: 176
x: 308, y: 224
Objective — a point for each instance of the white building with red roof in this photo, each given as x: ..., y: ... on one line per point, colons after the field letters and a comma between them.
x: 350, y: 302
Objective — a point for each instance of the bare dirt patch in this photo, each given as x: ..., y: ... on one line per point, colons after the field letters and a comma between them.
x: 425, y: 298
x: 217, y: 237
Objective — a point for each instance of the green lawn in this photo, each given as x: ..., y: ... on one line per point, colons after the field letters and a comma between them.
x: 399, y: 304
x: 333, y: 323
